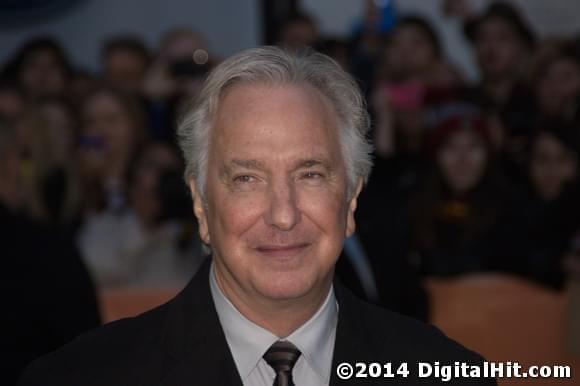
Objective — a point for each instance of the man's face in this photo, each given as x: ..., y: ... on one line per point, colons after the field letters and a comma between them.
x: 499, y: 50
x: 125, y: 69
x: 42, y: 75
x: 277, y: 210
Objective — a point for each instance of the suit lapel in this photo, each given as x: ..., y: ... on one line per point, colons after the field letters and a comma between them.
x: 194, y: 339
x: 354, y: 342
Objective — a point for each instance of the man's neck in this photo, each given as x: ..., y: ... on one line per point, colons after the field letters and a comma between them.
x: 280, y: 317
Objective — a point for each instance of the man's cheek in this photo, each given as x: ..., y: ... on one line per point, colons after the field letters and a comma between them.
x: 329, y: 218
x: 237, y: 214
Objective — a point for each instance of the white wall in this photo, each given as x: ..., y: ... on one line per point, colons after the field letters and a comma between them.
x: 231, y: 25
x: 336, y: 17
x: 228, y: 25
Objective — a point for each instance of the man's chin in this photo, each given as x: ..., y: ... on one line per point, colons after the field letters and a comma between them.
x: 288, y: 286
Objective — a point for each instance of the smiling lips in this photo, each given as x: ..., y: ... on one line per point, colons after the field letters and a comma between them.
x: 287, y: 250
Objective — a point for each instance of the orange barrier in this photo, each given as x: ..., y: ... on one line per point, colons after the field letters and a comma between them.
x: 506, y: 319
x: 117, y: 303
x: 501, y: 317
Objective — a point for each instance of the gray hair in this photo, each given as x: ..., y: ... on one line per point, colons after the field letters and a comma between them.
x: 273, y: 65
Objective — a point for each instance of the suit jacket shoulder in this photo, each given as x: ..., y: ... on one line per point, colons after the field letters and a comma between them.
x: 108, y: 353
x: 180, y: 342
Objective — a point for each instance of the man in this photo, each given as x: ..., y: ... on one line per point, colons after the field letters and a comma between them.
x: 125, y: 60
x: 275, y: 159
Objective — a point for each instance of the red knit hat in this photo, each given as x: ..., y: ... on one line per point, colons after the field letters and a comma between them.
x: 449, y: 126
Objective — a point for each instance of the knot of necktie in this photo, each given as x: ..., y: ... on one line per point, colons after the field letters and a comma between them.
x: 282, y: 357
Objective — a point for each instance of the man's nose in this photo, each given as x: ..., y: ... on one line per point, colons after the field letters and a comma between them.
x: 283, y: 212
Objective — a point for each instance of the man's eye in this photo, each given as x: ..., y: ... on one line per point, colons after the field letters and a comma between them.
x: 244, y: 179
x: 312, y: 175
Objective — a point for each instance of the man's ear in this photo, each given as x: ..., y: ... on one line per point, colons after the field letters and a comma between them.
x: 199, y: 211
x: 350, y: 222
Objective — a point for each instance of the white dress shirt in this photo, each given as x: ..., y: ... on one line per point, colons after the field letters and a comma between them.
x: 248, y: 342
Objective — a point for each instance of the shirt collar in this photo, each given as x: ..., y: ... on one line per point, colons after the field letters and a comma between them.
x: 248, y: 341
x: 315, y: 338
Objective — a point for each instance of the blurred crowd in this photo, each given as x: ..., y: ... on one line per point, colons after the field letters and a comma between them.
x: 91, y: 184
x: 94, y: 155
x: 469, y: 176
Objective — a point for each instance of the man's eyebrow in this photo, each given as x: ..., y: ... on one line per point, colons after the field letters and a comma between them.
x: 252, y: 164
x: 310, y: 162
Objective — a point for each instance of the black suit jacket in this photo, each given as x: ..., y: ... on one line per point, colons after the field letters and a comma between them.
x: 42, y: 279
x: 182, y: 343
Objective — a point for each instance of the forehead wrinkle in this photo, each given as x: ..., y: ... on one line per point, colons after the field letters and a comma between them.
x: 327, y: 128
x: 247, y: 163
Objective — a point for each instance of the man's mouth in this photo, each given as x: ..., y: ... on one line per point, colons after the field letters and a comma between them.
x: 284, y: 250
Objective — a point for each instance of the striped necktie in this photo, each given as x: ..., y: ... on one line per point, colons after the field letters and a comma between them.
x: 282, y: 356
